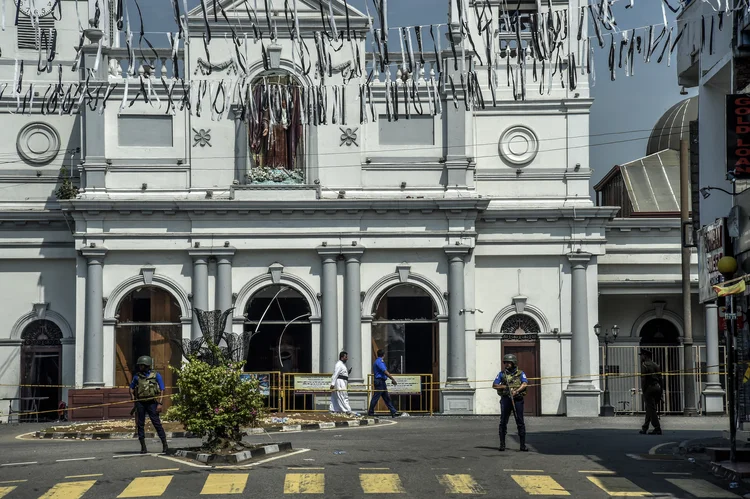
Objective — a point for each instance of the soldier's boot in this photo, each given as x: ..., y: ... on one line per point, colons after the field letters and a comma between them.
x: 143, y: 445
x: 164, y: 446
x: 502, y: 443
x: 523, y: 444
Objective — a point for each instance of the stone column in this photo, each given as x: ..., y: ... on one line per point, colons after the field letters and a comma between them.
x: 713, y: 394
x: 93, y: 334
x: 458, y: 396
x: 353, y: 325
x: 329, y: 334
x: 199, y: 288
x: 581, y: 396
x: 224, y: 281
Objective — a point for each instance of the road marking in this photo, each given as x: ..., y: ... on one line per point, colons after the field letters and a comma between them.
x: 85, y: 476
x: 225, y: 483
x: 4, y: 491
x: 15, y: 481
x: 602, y: 472
x: 275, y: 458
x: 69, y: 490
x: 19, y: 464
x: 133, y: 455
x: 537, y: 485
x: 460, y: 484
x: 376, y: 469
x: 293, y: 468
x: 670, y: 473
x: 74, y: 459
x: 161, y: 470
x: 381, y: 483
x: 653, y: 449
x: 147, y: 486
x: 186, y: 463
x: 525, y: 471
x: 304, y: 483
x: 618, y: 487
x: 701, y: 488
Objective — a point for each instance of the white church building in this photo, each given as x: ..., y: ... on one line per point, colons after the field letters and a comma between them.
x: 447, y: 239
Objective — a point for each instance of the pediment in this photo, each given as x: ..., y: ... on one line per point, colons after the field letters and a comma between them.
x: 305, y: 9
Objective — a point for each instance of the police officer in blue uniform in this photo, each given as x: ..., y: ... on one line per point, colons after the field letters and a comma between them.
x: 511, y: 385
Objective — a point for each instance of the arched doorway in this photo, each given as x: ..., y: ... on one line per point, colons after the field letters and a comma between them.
x: 41, y: 355
x: 520, y: 337
x: 662, y: 338
x: 278, y: 317
x: 148, y: 323
x: 405, y: 327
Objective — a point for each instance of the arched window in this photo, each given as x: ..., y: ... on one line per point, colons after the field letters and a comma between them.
x: 275, y: 131
x: 148, y: 323
x: 520, y: 324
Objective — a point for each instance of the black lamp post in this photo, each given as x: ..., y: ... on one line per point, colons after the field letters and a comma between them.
x: 609, y: 336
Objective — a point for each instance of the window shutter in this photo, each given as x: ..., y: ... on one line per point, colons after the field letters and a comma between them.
x: 26, y: 34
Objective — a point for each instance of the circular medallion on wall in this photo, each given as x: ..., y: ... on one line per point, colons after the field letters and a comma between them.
x: 38, y: 143
x: 518, y: 145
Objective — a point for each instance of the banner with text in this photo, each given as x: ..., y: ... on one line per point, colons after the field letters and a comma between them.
x: 713, y: 244
x: 312, y: 383
x: 738, y: 135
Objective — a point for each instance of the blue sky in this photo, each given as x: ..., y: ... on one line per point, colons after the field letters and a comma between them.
x: 624, y: 110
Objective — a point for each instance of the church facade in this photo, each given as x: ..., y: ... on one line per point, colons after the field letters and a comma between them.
x: 225, y: 176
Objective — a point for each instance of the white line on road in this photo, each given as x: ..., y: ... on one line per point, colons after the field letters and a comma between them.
x: 74, y: 459
x: 19, y: 464
x: 85, y: 476
x: 653, y: 449
x: 276, y: 457
x: 670, y: 473
x: 134, y: 455
x: 14, y: 481
x: 187, y: 463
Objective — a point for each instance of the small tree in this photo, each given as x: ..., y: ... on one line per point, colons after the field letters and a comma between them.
x: 214, y: 402
x: 66, y: 190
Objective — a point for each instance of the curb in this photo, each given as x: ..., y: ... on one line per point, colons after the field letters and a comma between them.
x: 187, y: 434
x: 237, y: 457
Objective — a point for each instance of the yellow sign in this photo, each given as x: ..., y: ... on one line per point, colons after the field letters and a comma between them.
x: 407, y: 385
x: 312, y: 383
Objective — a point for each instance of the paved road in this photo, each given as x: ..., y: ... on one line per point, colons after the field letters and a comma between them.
x: 416, y: 457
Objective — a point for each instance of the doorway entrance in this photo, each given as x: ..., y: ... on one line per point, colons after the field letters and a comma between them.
x: 41, y: 354
x: 278, y: 317
x: 405, y: 327
x: 148, y: 324
x: 662, y: 338
x: 520, y: 337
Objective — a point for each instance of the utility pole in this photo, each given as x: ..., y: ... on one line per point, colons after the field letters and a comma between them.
x: 687, y: 320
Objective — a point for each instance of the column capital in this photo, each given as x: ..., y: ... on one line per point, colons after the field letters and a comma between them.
x: 94, y: 254
x: 353, y: 252
x: 224, y: 255
x: 457, y: 251
x: 579, y: 259
x: 327, y: 252
x: 200, y: 254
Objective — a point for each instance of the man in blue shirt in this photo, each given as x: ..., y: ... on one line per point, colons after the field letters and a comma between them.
x: 381, y: 389
x: 511, y: 385
x: 147, y: 390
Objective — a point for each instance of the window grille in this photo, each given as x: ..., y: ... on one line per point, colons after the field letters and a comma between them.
x: 28, y: 37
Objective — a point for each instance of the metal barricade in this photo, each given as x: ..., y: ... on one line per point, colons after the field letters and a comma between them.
x: 272, y: 386
x: 413, y: 393
x: 306, y: 392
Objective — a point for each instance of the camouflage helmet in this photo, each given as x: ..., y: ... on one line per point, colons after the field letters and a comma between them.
x: 511, y: 358
x: 145, y: 360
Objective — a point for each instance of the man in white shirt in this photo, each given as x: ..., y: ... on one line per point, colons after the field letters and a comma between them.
x: 339, y: 382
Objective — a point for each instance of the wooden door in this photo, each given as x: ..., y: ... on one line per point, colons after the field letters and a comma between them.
x: 163, y: 350
x: 528, y: 362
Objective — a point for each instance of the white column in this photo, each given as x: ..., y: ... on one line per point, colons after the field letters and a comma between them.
x: 93, y: 334
x: 713, y: 394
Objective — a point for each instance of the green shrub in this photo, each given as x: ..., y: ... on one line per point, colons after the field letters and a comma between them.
x: 213, y: 402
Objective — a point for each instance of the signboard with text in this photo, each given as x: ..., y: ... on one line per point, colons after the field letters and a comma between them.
x: 312, y: 383
x: 407, y: 385
x: 264, y: 381
x: 713, y: 244
x: 738, y: 135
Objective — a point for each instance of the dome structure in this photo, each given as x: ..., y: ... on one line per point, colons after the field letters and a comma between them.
x: 673, y: 126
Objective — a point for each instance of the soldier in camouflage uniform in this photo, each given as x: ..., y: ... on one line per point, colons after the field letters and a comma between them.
x: 651, y: 385
x: 511, y: 386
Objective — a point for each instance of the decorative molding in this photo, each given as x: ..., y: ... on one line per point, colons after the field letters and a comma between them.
x: 148, y: 274
x: 659, y: 308
x: 202, y: 137
x: 530, y: 310
x: 206, y: 68
x: 403, y: 271
x: 158, y: 281
x: 391, y: 280
x: 518, y: 145
x: 50, y: 315
x: 40, y: 309
x: 286, y: 279
x: 635, y: 332
x: 275, y: 270
x: 348, y: 136
x: 520, y: 303
x: 38, y: 143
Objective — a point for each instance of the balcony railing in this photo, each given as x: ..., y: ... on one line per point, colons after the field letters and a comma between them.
x: 155, y: 63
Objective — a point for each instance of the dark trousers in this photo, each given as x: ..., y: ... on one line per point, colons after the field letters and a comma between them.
x: 141, y: 409
x: 506, y: 409
x: 381, y: 390
x: 652, y: 397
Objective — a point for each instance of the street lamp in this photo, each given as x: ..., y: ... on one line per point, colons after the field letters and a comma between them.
x: 609, y: 336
